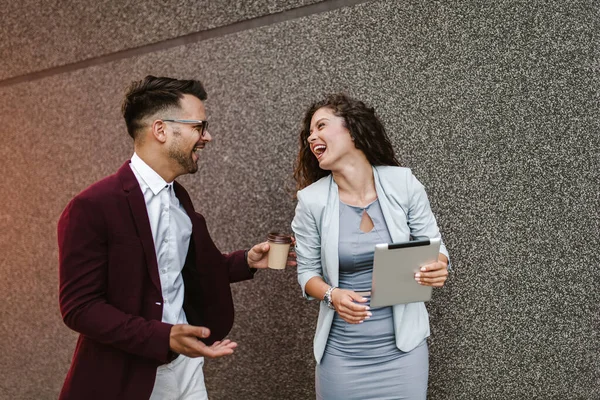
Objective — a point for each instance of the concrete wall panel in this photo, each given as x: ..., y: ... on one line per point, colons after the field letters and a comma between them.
x: 494, y: 107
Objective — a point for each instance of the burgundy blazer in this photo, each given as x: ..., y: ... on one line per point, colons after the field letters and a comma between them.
x: 110, y: 289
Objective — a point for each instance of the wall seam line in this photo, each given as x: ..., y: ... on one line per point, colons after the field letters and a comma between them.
x: 240, y: 26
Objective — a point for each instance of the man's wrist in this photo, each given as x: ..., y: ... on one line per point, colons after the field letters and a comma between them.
x: 252, y: 270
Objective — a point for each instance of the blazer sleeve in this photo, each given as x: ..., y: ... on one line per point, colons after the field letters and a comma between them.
x: 308, y: 244
x: 421, y: 220
x: 83, y: 266
x: 235, y: 262
x: 239, y: 270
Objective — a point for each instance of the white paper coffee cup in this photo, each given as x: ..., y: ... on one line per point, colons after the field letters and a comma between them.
x: 279, y: 248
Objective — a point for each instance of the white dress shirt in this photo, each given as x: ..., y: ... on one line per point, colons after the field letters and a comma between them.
x: 171, y: 231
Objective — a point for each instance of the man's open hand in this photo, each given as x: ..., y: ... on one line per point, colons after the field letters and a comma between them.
x: 184, y: 340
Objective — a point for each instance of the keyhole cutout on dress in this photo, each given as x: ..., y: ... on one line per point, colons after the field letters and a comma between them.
x: 366, y: 223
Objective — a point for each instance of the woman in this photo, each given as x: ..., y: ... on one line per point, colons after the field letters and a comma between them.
x: 353, y: 195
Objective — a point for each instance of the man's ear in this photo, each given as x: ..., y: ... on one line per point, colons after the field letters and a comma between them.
x: 158, y: 130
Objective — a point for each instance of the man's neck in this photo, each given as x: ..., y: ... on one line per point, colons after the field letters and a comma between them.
x: 159, y: 164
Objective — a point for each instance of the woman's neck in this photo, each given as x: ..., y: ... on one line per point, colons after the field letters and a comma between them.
x: 356, y: 184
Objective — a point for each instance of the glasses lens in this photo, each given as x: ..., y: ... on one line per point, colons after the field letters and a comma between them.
x: 204, y: 128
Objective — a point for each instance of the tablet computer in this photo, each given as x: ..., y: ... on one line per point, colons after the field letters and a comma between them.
x: 394, y: 268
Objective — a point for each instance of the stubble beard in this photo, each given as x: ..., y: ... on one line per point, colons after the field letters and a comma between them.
x: 181, y: 157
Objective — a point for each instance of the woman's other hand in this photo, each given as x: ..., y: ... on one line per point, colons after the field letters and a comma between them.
x: 434, y: 274
x: 345, y: 303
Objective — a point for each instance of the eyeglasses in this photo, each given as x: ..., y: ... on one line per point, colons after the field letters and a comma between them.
x: 201, y: 125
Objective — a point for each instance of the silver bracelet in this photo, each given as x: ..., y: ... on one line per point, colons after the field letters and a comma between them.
x: 327, y: 297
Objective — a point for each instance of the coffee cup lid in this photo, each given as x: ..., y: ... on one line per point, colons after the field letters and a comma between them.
x: 278, y: 237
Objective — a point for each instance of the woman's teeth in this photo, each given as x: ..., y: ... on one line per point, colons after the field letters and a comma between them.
x: 319, y: 149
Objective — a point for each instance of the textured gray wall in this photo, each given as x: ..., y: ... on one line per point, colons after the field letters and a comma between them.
x: 495, y: 107
x: 38, y: 34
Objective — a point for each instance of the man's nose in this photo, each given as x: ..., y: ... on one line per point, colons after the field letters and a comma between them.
x: 206, y: 137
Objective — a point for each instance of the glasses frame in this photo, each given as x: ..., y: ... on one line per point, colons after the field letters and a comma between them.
x: 202, y: 122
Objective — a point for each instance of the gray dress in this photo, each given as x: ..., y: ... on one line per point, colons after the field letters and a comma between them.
x: 361, y: 361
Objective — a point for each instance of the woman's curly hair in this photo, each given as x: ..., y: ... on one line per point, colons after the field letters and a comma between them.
x: 366, y: 131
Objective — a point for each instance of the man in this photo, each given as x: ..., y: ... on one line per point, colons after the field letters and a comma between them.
x: 140, y: 278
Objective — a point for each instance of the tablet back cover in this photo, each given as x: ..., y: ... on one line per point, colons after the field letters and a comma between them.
x: 394, y: 268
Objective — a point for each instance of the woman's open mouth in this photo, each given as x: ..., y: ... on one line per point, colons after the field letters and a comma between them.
x: 318, y: 150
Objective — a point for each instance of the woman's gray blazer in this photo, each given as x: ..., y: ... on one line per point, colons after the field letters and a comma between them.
x: 316, y: 224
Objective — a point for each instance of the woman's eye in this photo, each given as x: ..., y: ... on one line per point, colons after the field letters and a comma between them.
x: 320, y: 125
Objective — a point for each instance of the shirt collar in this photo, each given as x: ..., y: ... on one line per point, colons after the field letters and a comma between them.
x: 154, y: 181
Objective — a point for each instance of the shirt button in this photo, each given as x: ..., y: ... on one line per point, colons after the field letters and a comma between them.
x: 164, y: 271
x: 165, y: 240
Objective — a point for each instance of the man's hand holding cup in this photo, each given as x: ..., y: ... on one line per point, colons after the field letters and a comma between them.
x: 276, y: 253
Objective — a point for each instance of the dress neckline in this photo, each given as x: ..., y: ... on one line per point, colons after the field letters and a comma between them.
x: 359, y: 207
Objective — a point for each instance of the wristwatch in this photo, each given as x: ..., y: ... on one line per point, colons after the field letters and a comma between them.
x: 327, y: 298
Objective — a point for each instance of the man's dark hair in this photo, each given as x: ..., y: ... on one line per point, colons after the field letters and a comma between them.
x: 152, y: 94
x: 366, y: 131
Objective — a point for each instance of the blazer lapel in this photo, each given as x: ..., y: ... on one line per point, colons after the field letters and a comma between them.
x: 397, y: 236
x: 188, y: 206
x: 137, y: 205
x: 386, y: 209
x: 185, y: 200
x: 331, y: 233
